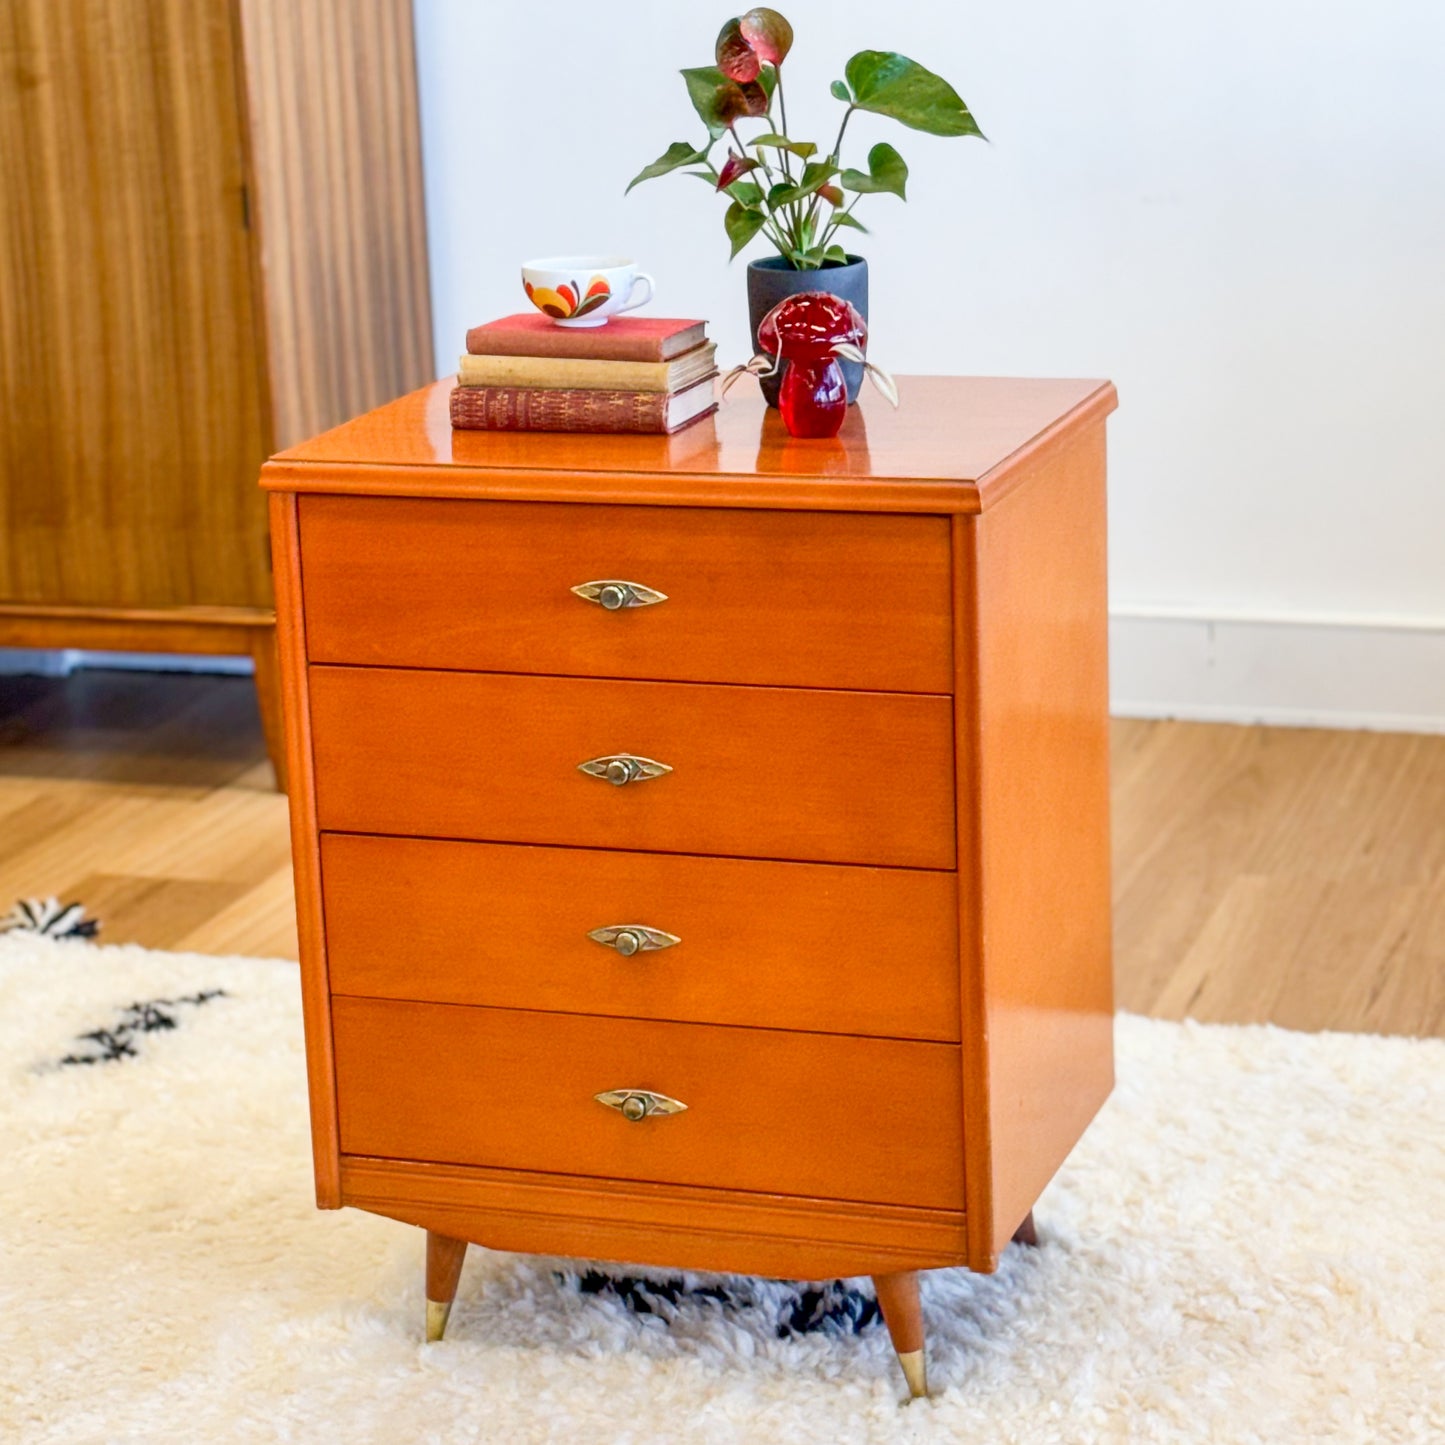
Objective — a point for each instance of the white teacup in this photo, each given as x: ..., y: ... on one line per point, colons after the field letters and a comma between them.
x: 584, y: 290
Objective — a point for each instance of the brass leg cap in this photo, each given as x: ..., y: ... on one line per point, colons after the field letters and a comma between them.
x: 436, y: 1319
x: 915, y: 1371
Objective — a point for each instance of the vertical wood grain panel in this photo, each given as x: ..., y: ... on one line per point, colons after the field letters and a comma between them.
x: 306, y: 854
x: 129, y: 370
x: 336, y: 154
x: 1036, y: 575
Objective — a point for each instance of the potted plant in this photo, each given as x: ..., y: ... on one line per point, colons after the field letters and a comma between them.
x: 787, y: 191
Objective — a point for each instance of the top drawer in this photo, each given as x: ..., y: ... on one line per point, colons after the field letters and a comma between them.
x: 796, y: 599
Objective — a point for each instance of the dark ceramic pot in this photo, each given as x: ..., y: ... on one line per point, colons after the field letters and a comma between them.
x: 772, y: 278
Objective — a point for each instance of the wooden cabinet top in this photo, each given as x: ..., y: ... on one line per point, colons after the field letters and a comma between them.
x: 956, y: 444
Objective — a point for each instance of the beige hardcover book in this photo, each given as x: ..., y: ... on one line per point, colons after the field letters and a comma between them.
x: 560, y: 373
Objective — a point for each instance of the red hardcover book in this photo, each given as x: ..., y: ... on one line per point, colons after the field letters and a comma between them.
x: 624, y: 338
x: 525, y: 408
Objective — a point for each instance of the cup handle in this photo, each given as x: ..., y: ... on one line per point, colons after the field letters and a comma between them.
x: 630, y: 305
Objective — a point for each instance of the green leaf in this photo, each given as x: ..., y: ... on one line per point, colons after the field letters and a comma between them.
x: 815, y: 174
x: 768, y: 79
x: 887, y: 171
x: 801, y: 148
x: 892, y: 85
x: 679, y: 153
x: 836, y: 253
x: 747, y: 193
x: 720, y: 101
x: 840, y: 91
x: 843, y: 218
x: 742, y: 225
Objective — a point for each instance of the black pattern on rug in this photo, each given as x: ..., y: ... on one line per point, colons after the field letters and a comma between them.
x: 109, y: 1044
x: 834, y: 1308
x: 50, y: 918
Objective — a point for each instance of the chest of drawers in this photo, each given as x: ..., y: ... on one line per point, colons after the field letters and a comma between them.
x: 701, y: 842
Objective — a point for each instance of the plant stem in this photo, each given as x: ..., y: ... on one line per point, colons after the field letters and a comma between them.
x: 782, y: 121
x: 833, y: 159
x: 775, y: 235
x: 833, y: 222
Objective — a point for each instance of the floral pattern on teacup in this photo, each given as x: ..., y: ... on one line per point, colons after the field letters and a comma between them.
x: 569, y: 300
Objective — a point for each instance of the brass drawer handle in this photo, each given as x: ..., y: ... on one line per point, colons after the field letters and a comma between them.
x: 620, y: 769
x: 614, y: 595
x: 635, y: 1105
x: 630, y: 938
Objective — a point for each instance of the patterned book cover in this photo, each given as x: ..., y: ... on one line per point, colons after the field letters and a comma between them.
x: 520, y: 408
x: 624, y: 338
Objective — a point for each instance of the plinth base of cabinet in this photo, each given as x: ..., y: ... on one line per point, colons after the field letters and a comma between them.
x: 210, y: 631
x: 671, y: 1226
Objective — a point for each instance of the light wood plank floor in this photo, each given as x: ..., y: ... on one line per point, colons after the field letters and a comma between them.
x: 1261, y: 874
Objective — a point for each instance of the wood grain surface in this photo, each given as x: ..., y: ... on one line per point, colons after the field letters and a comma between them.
x: 1034, y: 793
x: 335, y: 152
x: 786, y: 598
x: 774, y: 945
x: 874, y: 1120
x: 673, y: 1225
x: 956, y: 444
x: 130, y: 363
x: 829, y: 777
x: 305, y: 853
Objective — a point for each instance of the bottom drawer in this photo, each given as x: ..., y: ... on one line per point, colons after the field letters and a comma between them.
x: 874, y: 1120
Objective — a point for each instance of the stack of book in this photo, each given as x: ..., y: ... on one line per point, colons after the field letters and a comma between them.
x: 636, y: 374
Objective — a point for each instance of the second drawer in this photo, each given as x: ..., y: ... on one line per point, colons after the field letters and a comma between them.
x: 774, y: 945
x: 755, y: 772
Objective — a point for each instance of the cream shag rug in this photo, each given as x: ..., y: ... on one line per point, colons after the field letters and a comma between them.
x: 1247, y: 1246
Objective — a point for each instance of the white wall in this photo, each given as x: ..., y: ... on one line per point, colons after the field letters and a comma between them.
x: 1235, y: 211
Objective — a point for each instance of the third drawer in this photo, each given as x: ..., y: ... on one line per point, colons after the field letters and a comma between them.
x: 774, y: 945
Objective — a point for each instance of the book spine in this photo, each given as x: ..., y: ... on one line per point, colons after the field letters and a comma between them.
x: 562, y: 374
x: 559, y: 342
x: 518, y: 408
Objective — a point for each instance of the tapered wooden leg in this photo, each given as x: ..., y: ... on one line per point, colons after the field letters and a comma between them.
x: 903, y: 1314
x: 268, y: 697
x: 1026, y: 1233
x: 444, y: 1258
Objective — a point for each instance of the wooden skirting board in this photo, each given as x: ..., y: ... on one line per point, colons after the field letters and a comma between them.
x: 212, y: 631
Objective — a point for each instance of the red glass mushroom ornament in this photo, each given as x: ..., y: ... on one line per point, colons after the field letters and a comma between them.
x: 810, y: 332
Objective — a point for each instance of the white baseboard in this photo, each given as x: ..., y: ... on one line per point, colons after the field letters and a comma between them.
x: 1386, y: 674
x: 37, y: 662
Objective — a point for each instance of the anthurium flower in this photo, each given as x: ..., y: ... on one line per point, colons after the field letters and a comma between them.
x: 733, y: 167
x: 735, y: 57
x: 768, y: 33
x: 748, y: 42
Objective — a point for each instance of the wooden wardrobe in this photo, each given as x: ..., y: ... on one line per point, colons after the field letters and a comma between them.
x: 212, y: 244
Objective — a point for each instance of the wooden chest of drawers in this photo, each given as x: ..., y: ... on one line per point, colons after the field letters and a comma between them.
x: 701, y: 842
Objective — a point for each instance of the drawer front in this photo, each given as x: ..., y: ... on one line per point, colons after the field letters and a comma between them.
x: 821, y: 1115
x: 800, y: 599
x: 845, y: 777
x: 772, y: 945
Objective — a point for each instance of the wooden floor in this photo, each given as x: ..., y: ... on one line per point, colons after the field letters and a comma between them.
x: 1289, y: 875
